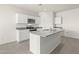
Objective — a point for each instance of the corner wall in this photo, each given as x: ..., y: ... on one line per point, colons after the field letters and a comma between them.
x: 8, y: 22
x: 70, y: 22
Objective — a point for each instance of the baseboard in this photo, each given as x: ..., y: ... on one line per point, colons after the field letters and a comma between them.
x: 71, y: 37
x: 22, y: 41
x: 55, y: 47
x: 8, y: 43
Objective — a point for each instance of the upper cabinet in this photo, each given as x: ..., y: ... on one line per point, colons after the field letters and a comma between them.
x: 58, y: 20
x: 37, y: 20
x: 21, y: 18
x: 29, y: 19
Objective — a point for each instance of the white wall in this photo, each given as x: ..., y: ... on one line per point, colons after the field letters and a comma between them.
x: 70, y: 22
x: 8, y: 22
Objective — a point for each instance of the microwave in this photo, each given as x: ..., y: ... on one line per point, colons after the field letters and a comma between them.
x: 31, y: 21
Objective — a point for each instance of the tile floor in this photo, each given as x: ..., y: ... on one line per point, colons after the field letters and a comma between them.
x: 68, y: 46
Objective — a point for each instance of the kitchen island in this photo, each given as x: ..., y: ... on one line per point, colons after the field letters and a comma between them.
x: 44, y: 42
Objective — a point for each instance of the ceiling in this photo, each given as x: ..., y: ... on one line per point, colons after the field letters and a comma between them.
x: 47, y: 7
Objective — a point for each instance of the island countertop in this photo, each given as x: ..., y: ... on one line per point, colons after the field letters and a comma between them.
x: 46, y: 33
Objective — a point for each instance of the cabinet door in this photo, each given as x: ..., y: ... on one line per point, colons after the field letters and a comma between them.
x: 34, y: 43
x: 22, y: 35
x: 25, y: 18
x: 37, y: 20
x: 21, y: 18
x: 31, y: 17
x: 58, y: 20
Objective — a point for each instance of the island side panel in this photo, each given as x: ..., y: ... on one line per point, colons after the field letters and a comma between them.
x: 34, y: 43
x: 49, y: 43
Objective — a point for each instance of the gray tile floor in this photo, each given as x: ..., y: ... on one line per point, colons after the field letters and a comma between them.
x: 68, y: 46
x: 15, y: 48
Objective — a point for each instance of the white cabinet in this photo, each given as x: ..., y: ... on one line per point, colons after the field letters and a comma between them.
x: 31, y: 17
x: 22, y: 35
x: 21, y: 18
x: 58, y: 20
x: 37, y: 20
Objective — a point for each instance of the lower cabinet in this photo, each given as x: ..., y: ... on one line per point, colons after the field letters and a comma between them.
x: 22, y: 35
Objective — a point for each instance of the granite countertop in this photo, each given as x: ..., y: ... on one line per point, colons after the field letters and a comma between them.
x: 22, y: 28
x: 46, y: 33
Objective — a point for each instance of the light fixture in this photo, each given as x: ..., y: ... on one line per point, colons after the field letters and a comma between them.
x: 40, y: 4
